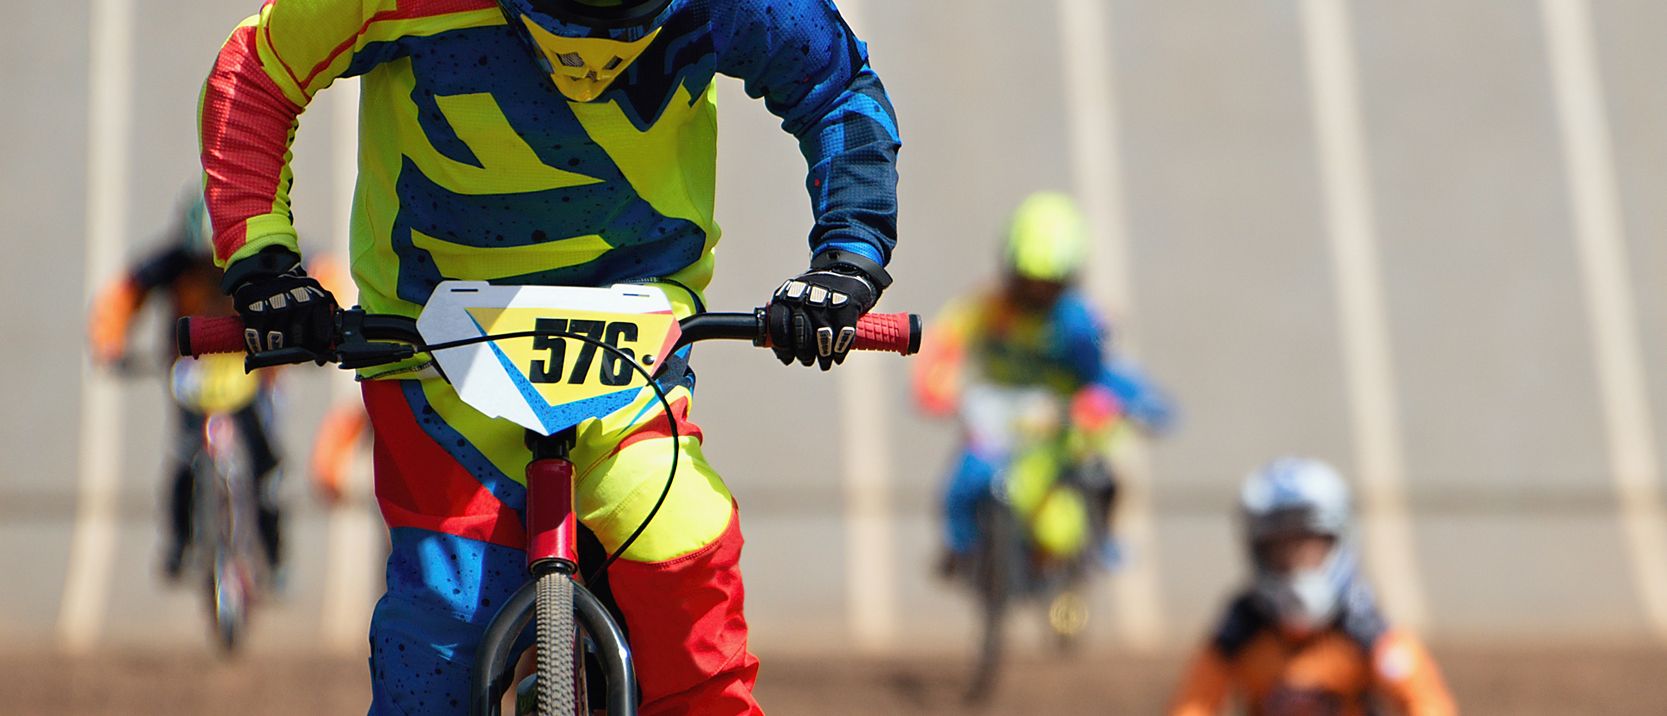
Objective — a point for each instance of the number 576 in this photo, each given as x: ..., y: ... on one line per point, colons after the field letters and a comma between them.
x: 612, y: 369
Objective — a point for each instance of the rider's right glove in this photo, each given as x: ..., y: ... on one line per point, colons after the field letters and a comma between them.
x: 812, y: 317
x: 281, y: 306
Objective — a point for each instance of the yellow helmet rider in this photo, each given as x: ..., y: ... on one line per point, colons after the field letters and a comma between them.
x: 1047, y: 244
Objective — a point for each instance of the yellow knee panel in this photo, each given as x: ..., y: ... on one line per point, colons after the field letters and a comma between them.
x: 616, y: 488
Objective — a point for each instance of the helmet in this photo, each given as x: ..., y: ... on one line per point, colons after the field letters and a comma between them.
x: 1294, y: 497
x: 1047, y: 240
x: 584, y: 45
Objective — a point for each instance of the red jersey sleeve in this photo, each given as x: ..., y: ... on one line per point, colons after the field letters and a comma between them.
x: 266, y: 73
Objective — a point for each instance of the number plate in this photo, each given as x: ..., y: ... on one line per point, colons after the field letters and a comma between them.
x: 542, y: 383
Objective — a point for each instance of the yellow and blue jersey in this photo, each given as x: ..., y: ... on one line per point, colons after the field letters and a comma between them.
x: 473, y: 166
x: 1064, y: 349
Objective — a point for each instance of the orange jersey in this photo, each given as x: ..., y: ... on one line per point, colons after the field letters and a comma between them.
x: 1353, y: 669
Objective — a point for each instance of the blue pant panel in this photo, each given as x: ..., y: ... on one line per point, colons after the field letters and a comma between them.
x: 442, y: 591
x: 969, y: 483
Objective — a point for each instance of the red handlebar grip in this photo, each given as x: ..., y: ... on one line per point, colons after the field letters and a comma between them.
x: 894, y: 332
x: 201, y: 335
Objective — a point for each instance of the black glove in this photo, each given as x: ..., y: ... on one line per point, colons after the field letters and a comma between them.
x: 813, y: 317
x: 281, y: 306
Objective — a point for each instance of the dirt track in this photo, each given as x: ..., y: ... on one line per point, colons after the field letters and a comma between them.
x: 1570, y: 681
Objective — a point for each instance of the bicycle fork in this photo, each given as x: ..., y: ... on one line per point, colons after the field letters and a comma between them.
x: 552, y: 521
x: 552, y: 524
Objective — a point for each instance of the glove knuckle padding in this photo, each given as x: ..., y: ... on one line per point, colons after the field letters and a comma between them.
x: 847, y: 336
x: 824, y: 341
x: 286, y: 310
x: 813, y: 317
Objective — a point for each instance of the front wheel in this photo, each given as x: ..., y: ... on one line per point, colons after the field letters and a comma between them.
x: 228, y: 603
x: 996, y: 560
x: 1067, y: 620
x: 558, y: 646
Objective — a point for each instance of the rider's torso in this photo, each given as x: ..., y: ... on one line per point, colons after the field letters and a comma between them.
x: 1020, y: 348
x: 1329, y: 675
x: 473, y: 166
x: 196, y: 292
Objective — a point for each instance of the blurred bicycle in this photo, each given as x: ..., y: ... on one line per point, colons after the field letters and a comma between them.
x: 181, y: 273
x: 1035, y: 521
x: 225, y: 540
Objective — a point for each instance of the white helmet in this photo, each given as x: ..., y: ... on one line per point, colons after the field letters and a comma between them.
x: 1299, y: 495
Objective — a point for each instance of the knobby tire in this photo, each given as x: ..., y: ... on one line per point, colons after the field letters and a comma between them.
x: 557, y: 638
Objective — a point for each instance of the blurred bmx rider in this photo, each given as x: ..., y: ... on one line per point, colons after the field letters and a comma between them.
x: 184, y: 270
x: 1034, y: 330
x: 549, y: 142
x: 1306, y: 637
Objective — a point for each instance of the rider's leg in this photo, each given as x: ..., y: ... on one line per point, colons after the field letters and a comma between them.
x: 263, y: 462
x: 181, y: 489
x: 455, y: 551
x: 679, y: 584
x: 443, y: 481
x: 1105, y: 499
x: 1099, y: 482
x: 968, y: 484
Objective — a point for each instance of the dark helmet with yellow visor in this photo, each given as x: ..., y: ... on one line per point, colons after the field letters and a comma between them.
x: 584, y: 45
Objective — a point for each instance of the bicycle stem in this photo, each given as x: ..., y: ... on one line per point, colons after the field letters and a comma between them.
x: 552, y: 522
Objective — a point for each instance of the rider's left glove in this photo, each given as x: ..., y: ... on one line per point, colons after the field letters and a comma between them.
x: 813, y: 316
x: 281, y: 306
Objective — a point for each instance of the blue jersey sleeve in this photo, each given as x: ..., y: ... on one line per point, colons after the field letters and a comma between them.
x: 810, y: 69
x: 1080, y: 338
x: 1084, y: 340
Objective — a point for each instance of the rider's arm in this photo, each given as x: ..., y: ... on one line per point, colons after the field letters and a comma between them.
x: 1203, y: 691
x: 1091, y: 358
x: 116, y: 305
x: 813, y: 73
x: 112, y: 315
x: 267, y: 71
x: 1139, y: 397
x: 1407, y: 675
x: 938, y: 368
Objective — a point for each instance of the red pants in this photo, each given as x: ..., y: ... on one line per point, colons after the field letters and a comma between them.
x: 449, y: 484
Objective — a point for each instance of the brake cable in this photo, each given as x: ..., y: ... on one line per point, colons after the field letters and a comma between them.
x: 659, y: 393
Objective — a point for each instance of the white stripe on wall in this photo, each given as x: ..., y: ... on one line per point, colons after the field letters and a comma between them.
x: 1362, y: 320
x: 1600, y: 243
x: 866, y: 428
x: 109, y: 109
x: 1091, y: 109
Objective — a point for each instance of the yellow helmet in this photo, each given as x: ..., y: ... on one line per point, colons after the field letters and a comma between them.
x: 1047, y: 240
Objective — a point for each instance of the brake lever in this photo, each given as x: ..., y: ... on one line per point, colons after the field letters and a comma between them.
x: 365, y: 354
x: 355, y: 351
x: 283, y: 356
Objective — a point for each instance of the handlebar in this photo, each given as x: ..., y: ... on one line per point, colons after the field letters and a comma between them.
x: 364, y: 339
